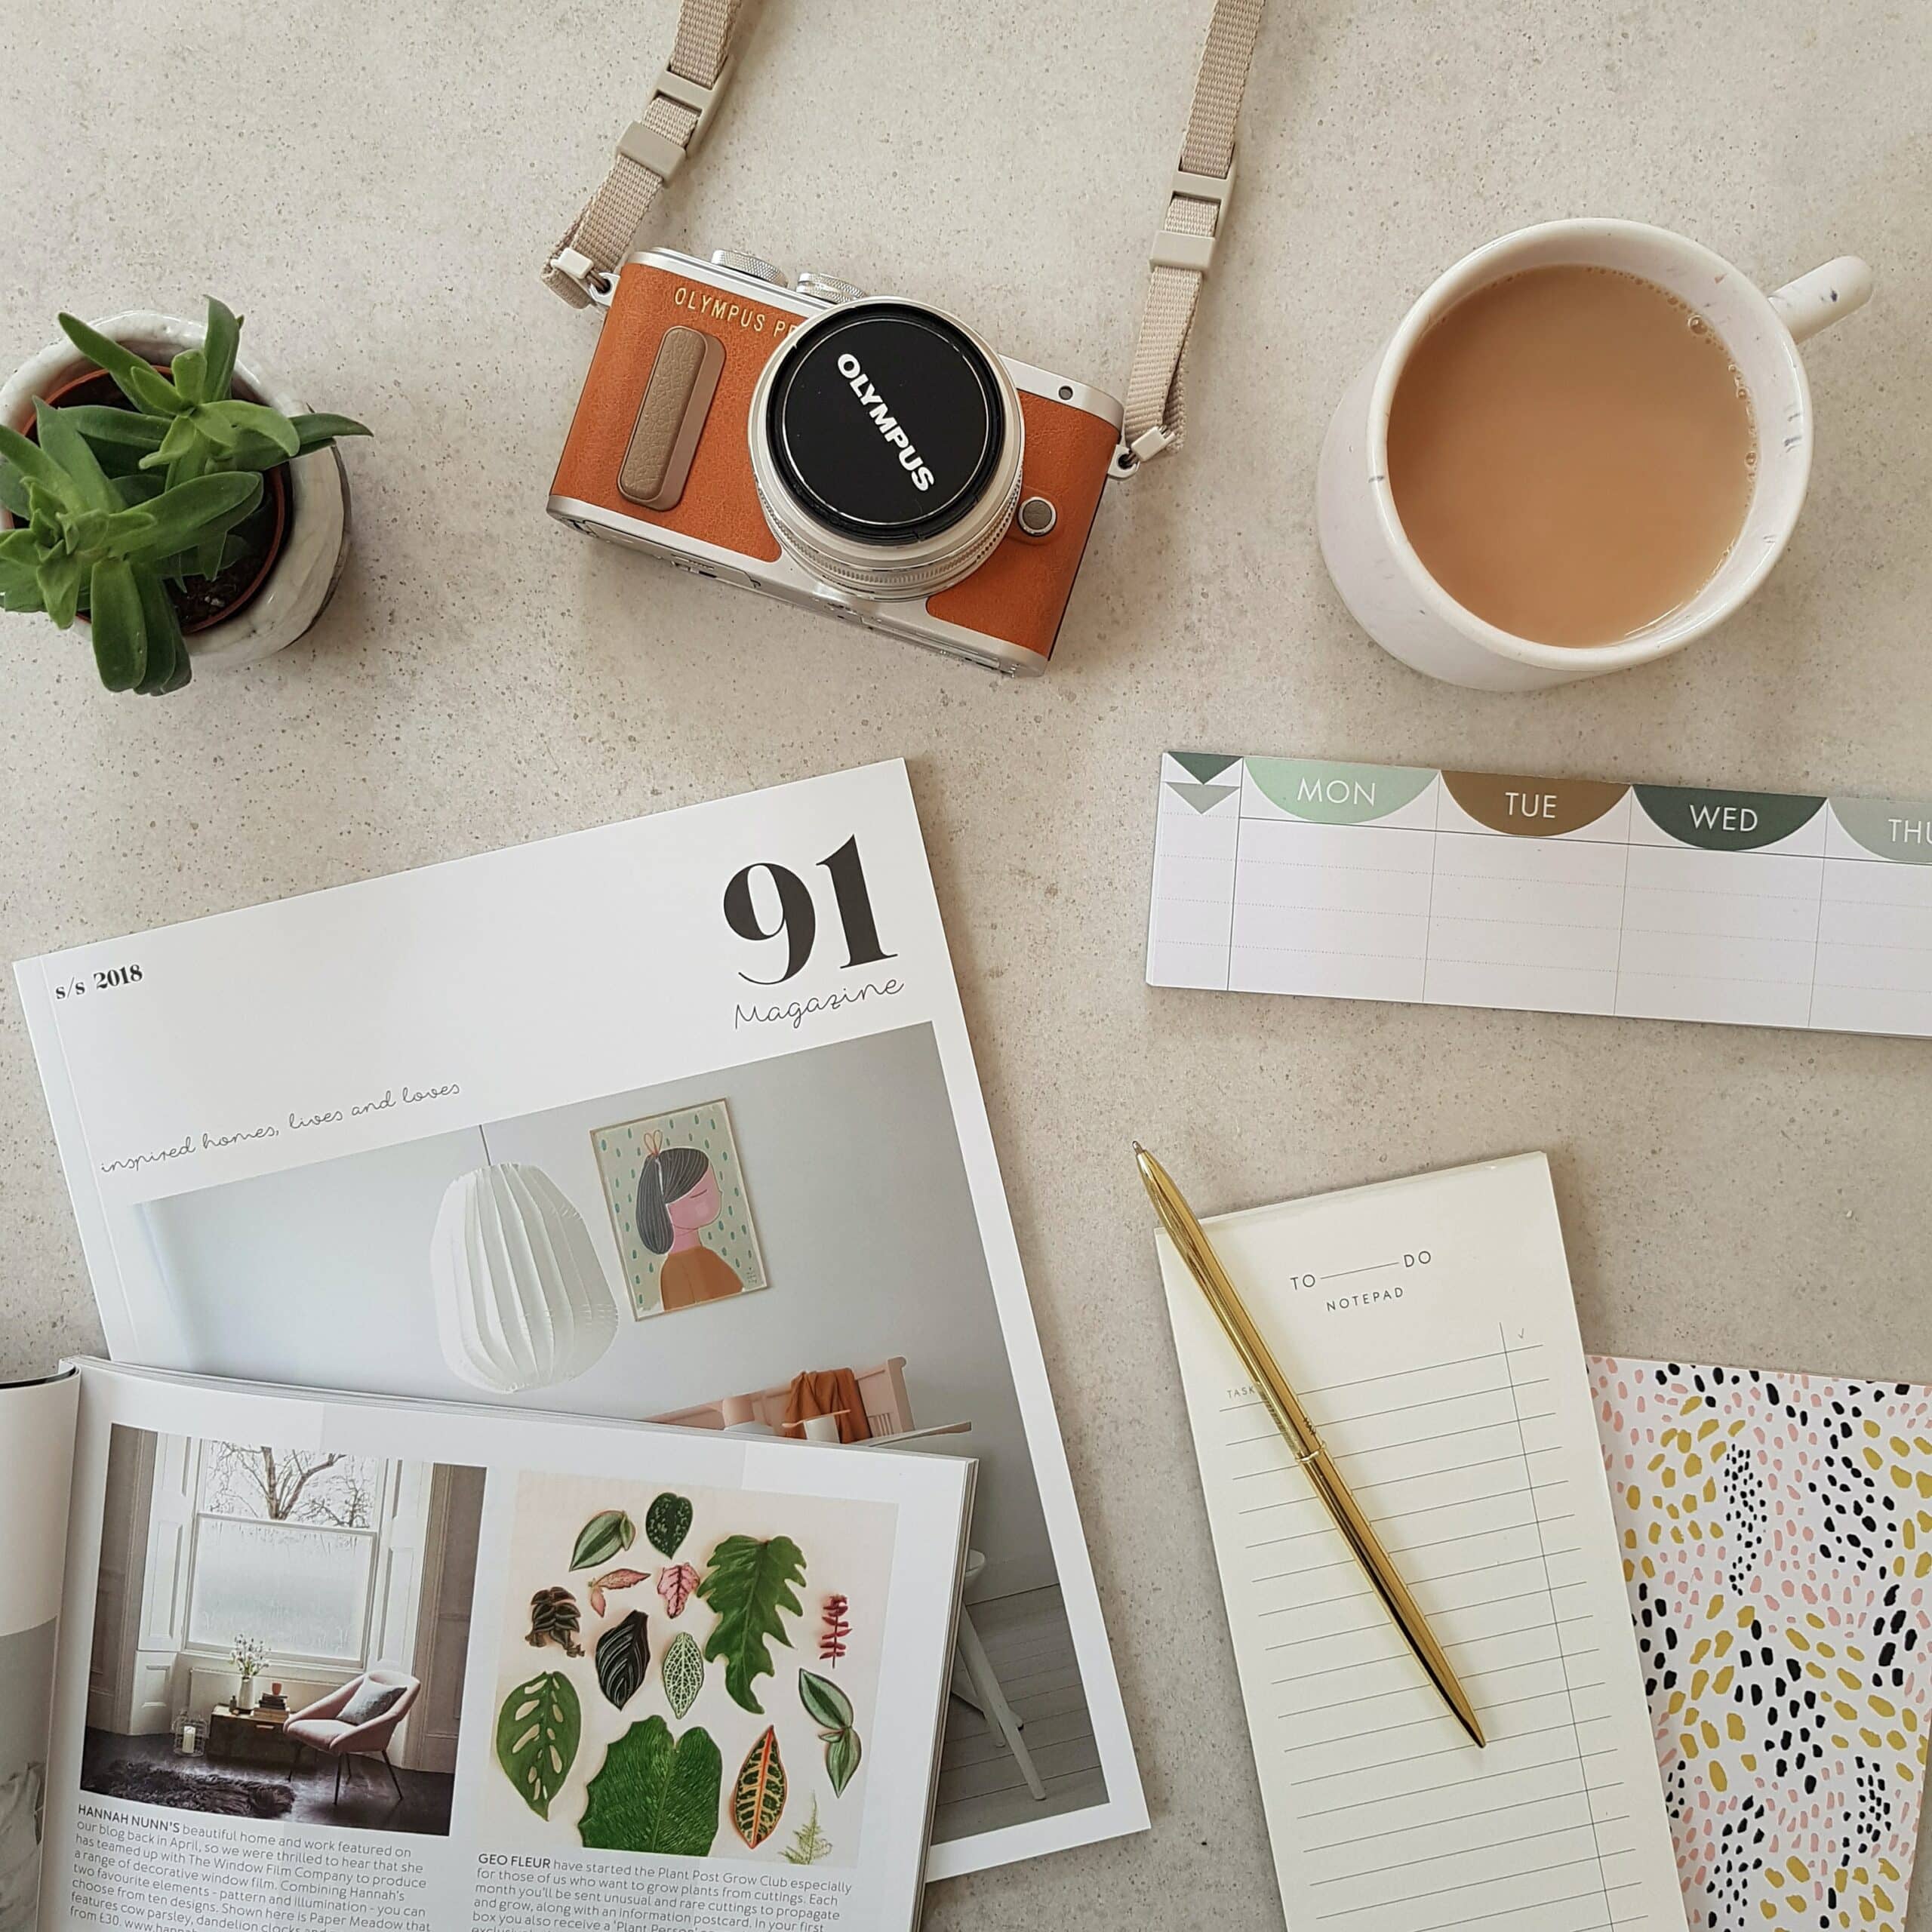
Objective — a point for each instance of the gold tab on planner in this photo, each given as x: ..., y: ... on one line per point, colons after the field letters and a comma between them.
x: 1531, y: 808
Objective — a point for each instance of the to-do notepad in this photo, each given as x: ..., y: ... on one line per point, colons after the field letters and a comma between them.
x: 1427, y: 1324
x: 1466, y: 888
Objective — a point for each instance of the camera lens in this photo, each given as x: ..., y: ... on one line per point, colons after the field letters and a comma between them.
x: 886, y: 444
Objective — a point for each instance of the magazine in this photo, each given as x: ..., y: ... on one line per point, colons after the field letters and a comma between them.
x: 272, y: 1658
x: 675, y: 1119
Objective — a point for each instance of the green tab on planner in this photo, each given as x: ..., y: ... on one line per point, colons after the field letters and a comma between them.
x: 1336, y: 794
x: 1727, y: 821
x: 1560, y: 895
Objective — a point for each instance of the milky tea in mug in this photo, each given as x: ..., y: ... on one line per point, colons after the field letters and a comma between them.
x: 1571, y: 454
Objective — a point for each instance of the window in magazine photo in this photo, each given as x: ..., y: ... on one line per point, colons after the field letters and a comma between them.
x: 883, y: 1321
x: 280, y: 1633
x: 26, y: 1691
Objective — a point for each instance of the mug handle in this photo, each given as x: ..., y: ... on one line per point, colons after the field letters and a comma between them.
x: 1815, y: 300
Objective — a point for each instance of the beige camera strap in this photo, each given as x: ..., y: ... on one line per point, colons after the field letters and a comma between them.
x: 653, y: 150
x: 1184, y: 249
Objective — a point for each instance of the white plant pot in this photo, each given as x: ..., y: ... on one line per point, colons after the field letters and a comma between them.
x: 304, y: 576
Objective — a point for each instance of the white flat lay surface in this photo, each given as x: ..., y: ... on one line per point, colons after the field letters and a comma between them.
x: 374, y: 188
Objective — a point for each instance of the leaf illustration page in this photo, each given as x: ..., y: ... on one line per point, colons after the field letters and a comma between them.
x: 1427, y: 1326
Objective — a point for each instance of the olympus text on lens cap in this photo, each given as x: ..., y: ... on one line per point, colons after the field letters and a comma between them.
x: 887, y: 442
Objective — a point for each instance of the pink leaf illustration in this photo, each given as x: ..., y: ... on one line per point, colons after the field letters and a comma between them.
x: 675, y: 1583
x: 614, y: 1580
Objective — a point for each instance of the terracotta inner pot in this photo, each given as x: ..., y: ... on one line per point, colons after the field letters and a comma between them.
x: 202, y: 602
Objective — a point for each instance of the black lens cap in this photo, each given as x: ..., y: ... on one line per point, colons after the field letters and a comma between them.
x: 885, y: 423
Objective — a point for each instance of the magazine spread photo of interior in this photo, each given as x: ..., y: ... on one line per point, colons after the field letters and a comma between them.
x: 295, y: 1658
x: 670, y: 1120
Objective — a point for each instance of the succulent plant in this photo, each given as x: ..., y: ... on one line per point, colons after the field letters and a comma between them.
x: 87, y: 541
x: 113, y: 504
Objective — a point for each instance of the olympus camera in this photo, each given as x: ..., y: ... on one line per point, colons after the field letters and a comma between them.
x: 868, y: 456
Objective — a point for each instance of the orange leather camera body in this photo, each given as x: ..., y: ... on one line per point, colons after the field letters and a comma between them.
x: 872, y: 459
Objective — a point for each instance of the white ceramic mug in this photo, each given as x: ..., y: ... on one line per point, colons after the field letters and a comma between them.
x: 1375, y: 567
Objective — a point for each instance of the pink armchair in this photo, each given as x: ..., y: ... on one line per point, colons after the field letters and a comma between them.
x: 321, y: 1726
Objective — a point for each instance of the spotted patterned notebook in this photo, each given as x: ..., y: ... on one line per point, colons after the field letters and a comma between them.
x: 1777, y: 1542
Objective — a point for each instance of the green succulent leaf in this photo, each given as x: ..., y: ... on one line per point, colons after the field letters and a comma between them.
x: 223, y: 339
x: 13, y: 490
x: 20, y: 580
x: 102, y: 424
x: 183, y: 438
x: 62, y: 578
x: 66, y: 446
x: 190, y: 370
x: 317, y: 429
x: 168, y: 665
x: 34, y: 466
x: 119, y: 626
x: 181, y: 516
x: 226, y: 423
x: 141, y: 384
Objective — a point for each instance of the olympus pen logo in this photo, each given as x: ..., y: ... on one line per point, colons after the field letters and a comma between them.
x: 886, y: 423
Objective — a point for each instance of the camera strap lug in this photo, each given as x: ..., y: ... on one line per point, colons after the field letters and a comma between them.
x: 1191, y: 226
x: 582, y: 268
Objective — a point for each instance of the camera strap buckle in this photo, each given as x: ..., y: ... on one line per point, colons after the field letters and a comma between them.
x: 1191, y: 226
x: 654, y: 146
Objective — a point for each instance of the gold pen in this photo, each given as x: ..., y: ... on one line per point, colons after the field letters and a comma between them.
x: 1191, y: 1241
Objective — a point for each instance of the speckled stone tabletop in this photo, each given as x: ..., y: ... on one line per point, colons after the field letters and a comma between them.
x: 374, y: 185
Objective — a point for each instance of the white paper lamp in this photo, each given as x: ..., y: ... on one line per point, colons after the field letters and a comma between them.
x: 522, y: 1299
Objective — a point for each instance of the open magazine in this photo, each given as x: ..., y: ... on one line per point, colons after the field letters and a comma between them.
x: 274, y: 1659
x: 671, y: 1120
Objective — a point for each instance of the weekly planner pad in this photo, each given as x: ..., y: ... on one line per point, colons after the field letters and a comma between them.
x: 1427, y: 1326
x: 1459, y: 888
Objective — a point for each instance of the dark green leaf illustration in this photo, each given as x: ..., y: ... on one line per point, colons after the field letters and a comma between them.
x: 608, y: 1533
x: 831, y: 1710
x: 757, y: 1798
x: 683, y: 1671
x: 829, y: 1706
x: 655, y: 1793
x: 841, y: 1759
x: 667, y: 1522
x: 538, y: 1730
x: 750, y: 1584
x: 623, y: 1656
x: 554, y: 1619
x: 809, y: 1845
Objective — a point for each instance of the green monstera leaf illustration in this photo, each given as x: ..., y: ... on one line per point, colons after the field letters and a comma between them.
x: 656, y: 1793
x: 667, y: 1522
x: 750, y: 1585
x: 538, y: 1731
x: 682, y: 1670
x: 608, y: 1533
x: 623, y: 1656
x: 757, y: 1798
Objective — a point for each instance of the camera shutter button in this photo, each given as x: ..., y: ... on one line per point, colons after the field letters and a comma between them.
x: 1036, y: 517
